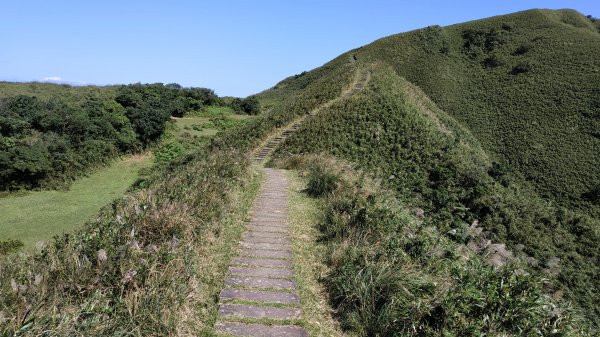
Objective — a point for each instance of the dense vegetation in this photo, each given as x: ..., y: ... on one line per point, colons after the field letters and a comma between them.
x: 411, y: 242
x: 525, y: 84
x: 484, y: 142
x: 135, y: 269
x: 46, y: 142
x: 395, y: 275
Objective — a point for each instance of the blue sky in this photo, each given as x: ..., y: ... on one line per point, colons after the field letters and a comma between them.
x: 235, y: 47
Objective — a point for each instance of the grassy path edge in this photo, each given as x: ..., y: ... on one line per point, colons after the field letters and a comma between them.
x: 304, y: 216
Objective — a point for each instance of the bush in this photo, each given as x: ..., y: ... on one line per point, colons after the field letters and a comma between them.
x: 320, y: 182
x: 522, y: 68
x: 522, y: 50
x: 392, y: 275
x: 10, y: 246
x: 492, y: 62
x: 250, y: 105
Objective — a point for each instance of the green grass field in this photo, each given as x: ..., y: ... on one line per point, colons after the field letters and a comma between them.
x: 40, y: 215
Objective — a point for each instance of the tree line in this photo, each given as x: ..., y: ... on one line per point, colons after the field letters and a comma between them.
x: 48, y: 142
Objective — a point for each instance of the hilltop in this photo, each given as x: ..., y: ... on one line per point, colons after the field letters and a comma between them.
x: 491, y: 123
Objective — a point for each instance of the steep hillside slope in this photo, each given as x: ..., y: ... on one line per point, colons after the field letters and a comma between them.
x: 525, y: 84
x: 492, y: 122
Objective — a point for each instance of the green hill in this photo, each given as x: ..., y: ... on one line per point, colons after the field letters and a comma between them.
x: 459, y: 140
x: 495, y: 121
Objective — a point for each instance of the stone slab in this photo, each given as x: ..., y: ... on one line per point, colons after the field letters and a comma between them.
x: 265, y: 245
x: 259, y: 282
x: 263, y: 296
x: 272, y: 229
x: 263, y: 235
x: 262, y: 262
x: 260, y: 330
x: 258, y: 239
x: 262, y: 271
x: 258, y: 312
x: 267, y: 222
x: 277, y: 254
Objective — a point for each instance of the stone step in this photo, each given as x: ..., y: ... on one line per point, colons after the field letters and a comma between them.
x: 260, y: 330
x: 262, y: 235
x: 280, y: 212
x: 258, y: 312
x: 263, y: 223
x: 276, y: 240
x: 262, y: 296
x: 271, y: 216
x: 265, y: 245
x: 277, y: 254
x: 259, y: 282
x: 262, y: 272
x: 271, y: 229
x: 269, y: 223
x: 261, y: 262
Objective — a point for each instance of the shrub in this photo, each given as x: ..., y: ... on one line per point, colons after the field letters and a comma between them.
x: 492, y: 61
x: 391, y: 275
x: 10, y: 246
x: 522, y: 50
x: 522, y: 68
x: 321, y: 182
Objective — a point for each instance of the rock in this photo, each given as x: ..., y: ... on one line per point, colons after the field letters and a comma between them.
x: 478, y: 244
x: 152, y: 248
x: 497, y: 254
x: 519, y: 247
x: 532, y: 261
x: 520, y: 272
x: 553, y: 266
x: 133, y: 245
x: 474, y: 230
x: 128, y: 277
x: 174, y: 242
x: 14, y: 286
x: 41, y: 245
x: 38, y: 279
x: 419, y: 212
x: 101, y: 256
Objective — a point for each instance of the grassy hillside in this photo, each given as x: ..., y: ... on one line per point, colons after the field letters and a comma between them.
x: 407, y: 233
x: 491, y: 123
x: 153, y: 261
x: 40, y: 215
x: 525, y: 84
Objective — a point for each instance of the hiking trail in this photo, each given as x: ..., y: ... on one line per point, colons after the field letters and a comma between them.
x: 259, y: 297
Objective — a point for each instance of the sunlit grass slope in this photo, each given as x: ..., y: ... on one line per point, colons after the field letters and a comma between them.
x: 494, y: 121
x: 39, y: 215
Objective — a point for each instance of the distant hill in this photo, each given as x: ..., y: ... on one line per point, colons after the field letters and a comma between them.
x: 495, y: 120
x: 48, y: 90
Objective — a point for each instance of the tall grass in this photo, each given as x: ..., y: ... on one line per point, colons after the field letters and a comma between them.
x: 138, y: 268
x: 394, y: 275
x: 432, y: 162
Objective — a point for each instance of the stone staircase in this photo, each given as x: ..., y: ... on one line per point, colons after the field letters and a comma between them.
x: 360, y: 83
x: 259, y: 298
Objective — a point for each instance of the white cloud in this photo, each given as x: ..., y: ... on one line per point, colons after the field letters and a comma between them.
x: 52, y: 78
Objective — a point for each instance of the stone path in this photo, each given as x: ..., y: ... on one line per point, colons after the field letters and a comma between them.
x: 360, y: 82
x: 259, y: 298
x: 260, y: 284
